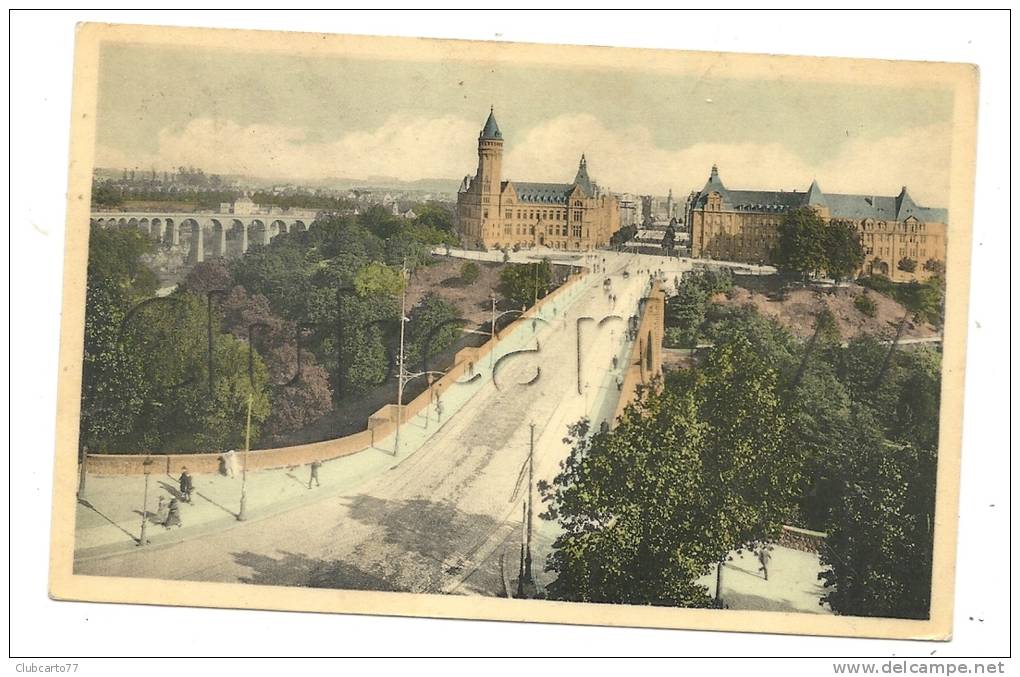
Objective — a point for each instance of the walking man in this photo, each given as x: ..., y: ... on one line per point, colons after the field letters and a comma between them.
x: 764, y: 556
x: 186, y: 485
x: 314, y: 474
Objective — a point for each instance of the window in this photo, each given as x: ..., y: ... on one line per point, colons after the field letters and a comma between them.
x: 509, y: 213
x: 485, y: 214
x: 577, y: 231
x: 577, y: 215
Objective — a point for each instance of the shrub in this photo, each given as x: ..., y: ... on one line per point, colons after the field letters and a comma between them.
x: 907, y: 265
x: 865, y: 304
x: 469, y: 272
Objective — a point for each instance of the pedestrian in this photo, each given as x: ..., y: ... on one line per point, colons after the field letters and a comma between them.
x: 439, y: 409
x: 314, y: 473
x: 173, y: 515
x: 186, y: 485
x: 229, y: 463
x: 162, y: 511
x: 764, y: 557
x: 616, y: 361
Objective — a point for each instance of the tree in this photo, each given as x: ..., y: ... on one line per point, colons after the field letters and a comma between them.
x: 880, y: 535
x: 866, y: 305
x: 523, y: 284
x: 380, y: 221
x: 802, y: 243
x: 907, y: 265
x: 935, y: 266
x: 432, y: 328
x: 844, y: 253
x: 469, y: 272
x: 177, y: 411
x: 629, y: 504
x: 117, y: 256
x: 105, y: 195
x: 434, y: 215
x: 207, y: 276
x: 693, y: 470
x: 624, y: 234
x: 686, y: 311
x: 377, y: 279
x: 112, y: 389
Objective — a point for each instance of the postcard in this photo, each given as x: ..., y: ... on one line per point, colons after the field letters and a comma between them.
x: 513, y: 331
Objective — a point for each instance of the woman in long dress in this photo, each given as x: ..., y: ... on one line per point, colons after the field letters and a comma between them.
x: 173, y: 517
x: 162, y: 511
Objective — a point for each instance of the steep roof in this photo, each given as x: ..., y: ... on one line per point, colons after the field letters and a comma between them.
x: 491, y: 129
x: 543, y: 193
x: 582, y: 179
x: 815, y: 198
x: 880, y: 208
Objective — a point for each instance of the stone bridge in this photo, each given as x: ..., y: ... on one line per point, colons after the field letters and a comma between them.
x: 205, y: 232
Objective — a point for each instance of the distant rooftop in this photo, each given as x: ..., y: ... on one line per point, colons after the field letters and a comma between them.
x: 841, y: 206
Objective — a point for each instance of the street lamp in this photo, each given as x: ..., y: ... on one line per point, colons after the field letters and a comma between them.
x: 401, y: 374
x: 241, y: 514
x: 147, y: 468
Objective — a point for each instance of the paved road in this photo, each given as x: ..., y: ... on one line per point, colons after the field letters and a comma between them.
x: 440, y: 519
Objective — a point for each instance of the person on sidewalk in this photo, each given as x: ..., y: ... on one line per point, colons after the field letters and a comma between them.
x: 764, y: 557
x: 186, y: 485
x: 313, y: 475
x: 162, y: 511
x: 173, y: 516
x: 230, y: 463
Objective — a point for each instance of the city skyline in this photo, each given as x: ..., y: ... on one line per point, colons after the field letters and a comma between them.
x: 643, y: 133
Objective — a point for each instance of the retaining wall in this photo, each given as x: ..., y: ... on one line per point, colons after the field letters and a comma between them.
x: 801, y: 539
x: 645, y: 358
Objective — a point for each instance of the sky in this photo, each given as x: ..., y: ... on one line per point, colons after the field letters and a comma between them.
x: 297, y: 118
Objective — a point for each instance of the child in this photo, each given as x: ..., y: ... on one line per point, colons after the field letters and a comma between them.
x: 173, y: 518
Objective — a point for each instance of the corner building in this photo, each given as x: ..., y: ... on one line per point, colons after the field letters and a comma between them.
x: 493, y: 213
x: 743, y: 225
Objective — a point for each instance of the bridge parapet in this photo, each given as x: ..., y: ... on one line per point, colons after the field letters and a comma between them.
x: 645, y: 359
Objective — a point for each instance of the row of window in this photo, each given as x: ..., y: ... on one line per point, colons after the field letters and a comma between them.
x: 558, y: 229
x: 914, y: 227
x: 912, y: 252
x: 542, y: 214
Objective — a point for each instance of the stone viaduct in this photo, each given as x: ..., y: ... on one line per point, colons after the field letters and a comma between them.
x: 205, y: 232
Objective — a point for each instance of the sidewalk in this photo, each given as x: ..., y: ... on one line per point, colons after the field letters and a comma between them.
x: 109, y: 519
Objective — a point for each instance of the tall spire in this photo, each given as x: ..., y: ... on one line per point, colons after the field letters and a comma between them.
x: 582, y: 179
x: 815, y: 197
x: 491, y: 129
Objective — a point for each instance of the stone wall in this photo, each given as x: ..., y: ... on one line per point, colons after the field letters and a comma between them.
x: 645, y: 359
x: 805, y: 540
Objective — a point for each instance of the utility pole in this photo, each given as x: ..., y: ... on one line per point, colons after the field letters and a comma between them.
x: 400, y: 360
x: 531, y: 487
x: 492, y: 330
x: 241, y: 514
x: 146, y: 466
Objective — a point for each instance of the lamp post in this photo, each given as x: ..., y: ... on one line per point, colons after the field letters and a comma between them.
x: 242, y: 514
x: 147, y: 468
x: 401, y: 375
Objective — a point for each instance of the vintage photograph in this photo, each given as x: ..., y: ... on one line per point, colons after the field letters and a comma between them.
x: 494, y: 330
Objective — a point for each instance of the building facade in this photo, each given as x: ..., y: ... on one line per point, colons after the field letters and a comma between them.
x: 743, y: 226
x: 493, y: 213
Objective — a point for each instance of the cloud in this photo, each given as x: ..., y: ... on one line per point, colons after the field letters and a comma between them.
x: 403, y: 146
x: 627, y: 159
